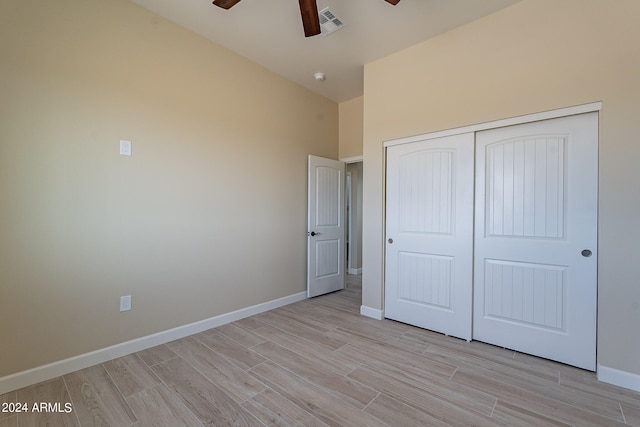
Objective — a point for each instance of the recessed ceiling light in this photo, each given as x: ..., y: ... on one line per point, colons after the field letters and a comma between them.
x: 319, y: 77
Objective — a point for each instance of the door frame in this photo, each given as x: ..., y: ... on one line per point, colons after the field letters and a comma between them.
x: 349, y: 218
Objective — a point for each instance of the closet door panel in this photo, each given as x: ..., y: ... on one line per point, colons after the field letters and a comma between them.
x: 535, y: 283
x: 430, y: 234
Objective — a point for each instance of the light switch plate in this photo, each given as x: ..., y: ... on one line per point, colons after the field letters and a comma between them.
x: 125, y: 148
x: 125, y: 303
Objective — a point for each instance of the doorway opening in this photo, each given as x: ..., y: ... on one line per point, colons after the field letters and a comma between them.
x: 353, y: 193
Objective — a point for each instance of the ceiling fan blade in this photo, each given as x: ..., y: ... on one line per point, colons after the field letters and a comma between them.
x: 225, y: 4
x: 393, y: 2
x: 310, y: 19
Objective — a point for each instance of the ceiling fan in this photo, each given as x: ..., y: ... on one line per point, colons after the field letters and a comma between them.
x: 308, y: 10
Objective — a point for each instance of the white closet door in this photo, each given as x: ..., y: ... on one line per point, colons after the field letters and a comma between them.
x: 535, y: 283
x: 428, y: 277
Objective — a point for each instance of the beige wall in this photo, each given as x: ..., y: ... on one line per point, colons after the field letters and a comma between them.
x: 208, y: 215
x: 350, y: 132
x: 534, y: 56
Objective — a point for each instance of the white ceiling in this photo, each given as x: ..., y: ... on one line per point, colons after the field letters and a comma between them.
x: 269, y: 32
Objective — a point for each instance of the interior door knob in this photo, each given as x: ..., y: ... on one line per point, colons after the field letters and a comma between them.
x: 390, y: 240
x: 313, y: 233
x: 586, y: 253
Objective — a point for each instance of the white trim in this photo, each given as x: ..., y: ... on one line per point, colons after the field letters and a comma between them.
x: 348, y: 217
x: 619, y: 378
x: 72, y: 364
x: 354, y: 271
x: 528, y: 118
x: 356, y: 159
x: 371, y: 312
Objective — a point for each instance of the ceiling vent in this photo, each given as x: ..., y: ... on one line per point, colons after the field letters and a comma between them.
x: 329, y: 23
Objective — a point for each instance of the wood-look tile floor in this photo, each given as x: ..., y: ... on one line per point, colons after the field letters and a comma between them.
x: 317, y: 363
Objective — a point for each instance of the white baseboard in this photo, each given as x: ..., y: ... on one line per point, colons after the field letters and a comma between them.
x: 619, y: 378
x: 63, y: 367
x: 371, y: 312
x: 354, y: 271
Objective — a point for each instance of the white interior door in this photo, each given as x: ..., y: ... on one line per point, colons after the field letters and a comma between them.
x: 326, y: 228
x: 535, y: 284
x: 429, y: 249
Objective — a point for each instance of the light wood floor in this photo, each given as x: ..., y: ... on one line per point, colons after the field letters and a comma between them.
x: 318, y: 362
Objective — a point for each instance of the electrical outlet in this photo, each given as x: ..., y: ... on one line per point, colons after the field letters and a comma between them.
x: 125, y: 303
